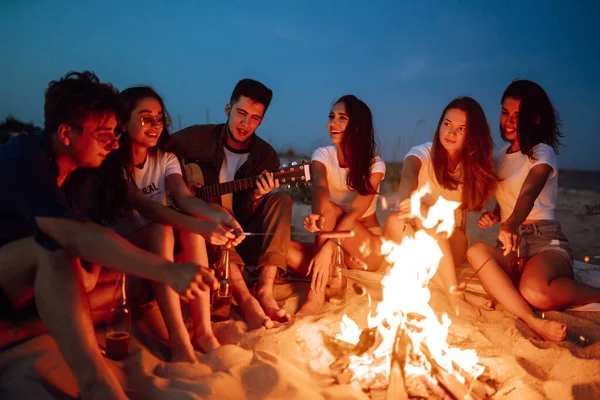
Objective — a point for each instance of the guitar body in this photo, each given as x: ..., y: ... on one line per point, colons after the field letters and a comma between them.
x: 201, y: 175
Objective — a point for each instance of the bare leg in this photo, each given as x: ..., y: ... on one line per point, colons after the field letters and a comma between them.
x: 264, y: 294
x: 454, y: 248
x: 494, y: 278
x: 316, y: 301
x: 159, y: 239
x: 57, y: 282
x: 299, y: 256
x: 547, y: 283
x: 193, y: 249
x: 11, y: 332
x: 394, y: 228
x: 252, y: 311
x: 269, y: 253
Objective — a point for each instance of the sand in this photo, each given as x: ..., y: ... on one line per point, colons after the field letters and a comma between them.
x: 291, y: 361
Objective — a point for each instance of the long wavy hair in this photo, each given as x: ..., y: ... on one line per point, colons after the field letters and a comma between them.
x: 358, y: 145
x: 476, y: 156
x: 117, y: 171
x: 539, y: 121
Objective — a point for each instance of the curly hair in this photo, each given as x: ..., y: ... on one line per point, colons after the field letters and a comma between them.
x: 78, y: 95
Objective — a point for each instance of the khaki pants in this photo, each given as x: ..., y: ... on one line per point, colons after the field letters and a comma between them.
x: 274, y: 216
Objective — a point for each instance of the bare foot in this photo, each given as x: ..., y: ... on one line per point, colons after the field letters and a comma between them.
x: 270, y: 306
x: 479, y: 302
x: 313, y: 305
x: 547, y: 329
x: 205, y: 342
x: 462, y: 308
x: 254, y: 315
x: 183, y: 352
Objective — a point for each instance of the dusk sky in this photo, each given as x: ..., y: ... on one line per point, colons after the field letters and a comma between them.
x: 406, y: 60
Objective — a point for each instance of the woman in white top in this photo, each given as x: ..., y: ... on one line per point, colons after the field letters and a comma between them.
x: 151, y: 170
x: 346, y: 178
x: 458, y: 167
x: 526, y: 194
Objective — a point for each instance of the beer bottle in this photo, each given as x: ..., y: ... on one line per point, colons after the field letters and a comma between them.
x: 221, y: 298
x: 118, y: 324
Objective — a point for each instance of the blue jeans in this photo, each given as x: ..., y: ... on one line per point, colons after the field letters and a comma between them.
x: 544, y: 236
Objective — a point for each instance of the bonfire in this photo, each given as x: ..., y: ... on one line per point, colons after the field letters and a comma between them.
x: 406, y: 340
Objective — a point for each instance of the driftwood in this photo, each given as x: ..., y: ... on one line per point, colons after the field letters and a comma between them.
x: 397, y: 381
x: 471, y: 389
x: 399, y: 384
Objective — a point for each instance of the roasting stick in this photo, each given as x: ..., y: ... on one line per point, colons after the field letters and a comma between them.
x: 323, y: 234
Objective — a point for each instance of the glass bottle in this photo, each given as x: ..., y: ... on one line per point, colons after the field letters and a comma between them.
x: 338, y: 276
x: 118, y: 323
x: 518, y: 262
x: 221, y: 298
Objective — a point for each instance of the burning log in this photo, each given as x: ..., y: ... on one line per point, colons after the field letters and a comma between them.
x: 471, y: 389
x: 369, y: 340
x: 397, y: 380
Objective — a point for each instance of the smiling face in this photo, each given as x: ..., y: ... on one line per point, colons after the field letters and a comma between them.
x: 244, y: 117
x: 146, y: 123
x: 453, y: 131
x: 338, y: 122
x: 93, y: 139
x: 509, y: 119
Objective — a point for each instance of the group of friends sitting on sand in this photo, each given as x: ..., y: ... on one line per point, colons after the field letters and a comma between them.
x: 102, y: 190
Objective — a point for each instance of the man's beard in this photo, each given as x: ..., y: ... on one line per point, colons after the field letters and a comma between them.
x: 241, y: 142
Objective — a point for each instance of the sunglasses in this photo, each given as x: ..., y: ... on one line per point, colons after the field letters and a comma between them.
x: 151, y: 121
x: 108, y: 140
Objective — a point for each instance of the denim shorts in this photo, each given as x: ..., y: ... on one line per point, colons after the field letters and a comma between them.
x: 544, y: 236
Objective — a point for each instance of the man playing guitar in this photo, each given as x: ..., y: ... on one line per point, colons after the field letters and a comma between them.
x: 232, y: 151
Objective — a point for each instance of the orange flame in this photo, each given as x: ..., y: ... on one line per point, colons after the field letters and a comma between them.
x: 405, y: 292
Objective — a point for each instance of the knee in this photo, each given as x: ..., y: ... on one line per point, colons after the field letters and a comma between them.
x: 90, y: 275
x: 281, y: 200
x: 161, y: 234
x: 536, y: 294
x: 477, y: 252
x: 62, y: 261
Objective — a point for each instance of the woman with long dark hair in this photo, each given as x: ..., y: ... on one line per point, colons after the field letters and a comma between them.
x: 457, y: 166
x: 527, y: 190
x: 346, y: 178
x: 151, y: 171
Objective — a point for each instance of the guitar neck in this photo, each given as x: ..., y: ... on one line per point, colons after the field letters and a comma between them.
x: 219, y: 189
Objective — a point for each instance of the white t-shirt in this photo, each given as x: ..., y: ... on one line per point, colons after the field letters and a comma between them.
x: 512, y: 169
x: 339, y: 192
x: 427, y: 176
x: 152, y: 180
x: 231, y: 163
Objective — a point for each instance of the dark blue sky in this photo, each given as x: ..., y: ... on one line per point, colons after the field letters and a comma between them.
x: 406, y: 60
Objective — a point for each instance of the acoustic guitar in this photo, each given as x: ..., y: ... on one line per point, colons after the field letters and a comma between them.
x: 293, y: 175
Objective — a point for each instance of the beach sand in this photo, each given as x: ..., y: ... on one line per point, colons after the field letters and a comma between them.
x: 292, y: 362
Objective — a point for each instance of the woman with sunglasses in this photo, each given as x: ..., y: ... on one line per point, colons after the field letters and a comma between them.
x: 142, y: 160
